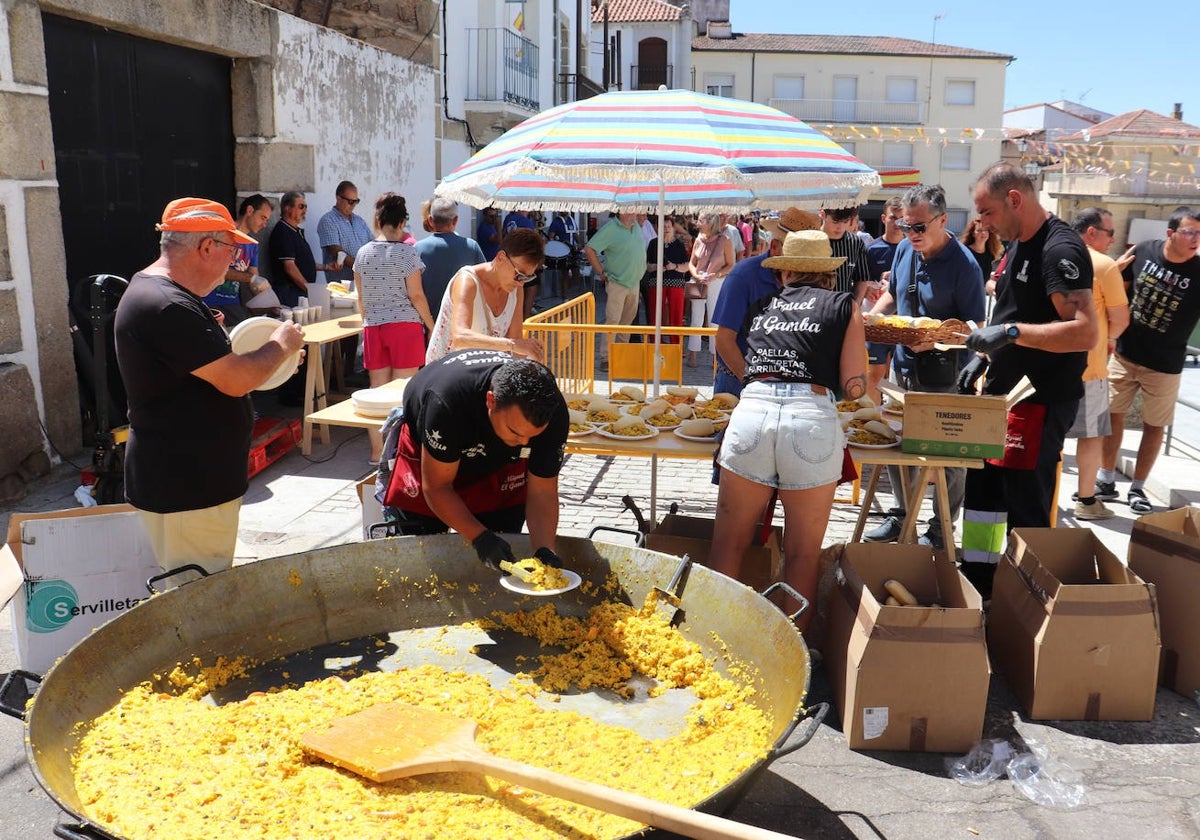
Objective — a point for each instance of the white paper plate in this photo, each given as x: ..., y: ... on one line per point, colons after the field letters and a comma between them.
x: 378, y: 398
x: 515, y: 584
x: 606, y: 433
x: 696, y: 438
x: 581, y: 434
x: 892, y: 412
x: 252, y: 334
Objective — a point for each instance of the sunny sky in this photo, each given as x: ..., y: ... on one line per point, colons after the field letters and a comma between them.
x: 1082, y: 51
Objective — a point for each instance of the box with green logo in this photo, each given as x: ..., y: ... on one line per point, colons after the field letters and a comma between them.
x: 78, y: 569
x: 956, y: 425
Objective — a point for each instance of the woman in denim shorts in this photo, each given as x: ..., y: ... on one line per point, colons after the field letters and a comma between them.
x: 804, y: 342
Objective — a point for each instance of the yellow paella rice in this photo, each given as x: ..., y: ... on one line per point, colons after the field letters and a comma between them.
x: 597, y: 415
x: 580, y: 428
x: 664, y: 421
x: 542, y: 576
x: 869, y: 438
x: 634, y: 430
x: 710, y: 410
x: 159, y: 765
x: 577, y: 404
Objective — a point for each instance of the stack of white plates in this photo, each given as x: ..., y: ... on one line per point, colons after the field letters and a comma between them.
x: 376, y: 402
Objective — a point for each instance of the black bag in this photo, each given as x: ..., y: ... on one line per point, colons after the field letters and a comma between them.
x: 935, y: 369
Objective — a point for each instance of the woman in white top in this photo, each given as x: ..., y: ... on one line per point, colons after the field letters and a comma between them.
x: 387, y: 276
x: 480, y: 308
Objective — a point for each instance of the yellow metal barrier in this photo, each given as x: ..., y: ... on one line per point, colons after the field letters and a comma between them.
x: 568, y: 331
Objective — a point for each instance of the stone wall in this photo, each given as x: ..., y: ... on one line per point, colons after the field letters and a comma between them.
x: 402, y: 27
x: 310, y: 107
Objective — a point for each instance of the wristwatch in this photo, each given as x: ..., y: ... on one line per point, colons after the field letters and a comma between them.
x: 1012, y: 331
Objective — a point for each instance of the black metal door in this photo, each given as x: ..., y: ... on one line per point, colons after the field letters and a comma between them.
x: 136, y: 123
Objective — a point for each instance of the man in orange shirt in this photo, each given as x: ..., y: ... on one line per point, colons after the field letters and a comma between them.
x: 1095, y: 227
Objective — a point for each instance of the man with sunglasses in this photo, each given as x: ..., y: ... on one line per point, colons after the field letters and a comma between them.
x: 1163, y: 280
x: 190, y: 418
x: 342, y: 231
x: 293, y: 264
x: 932, y: 275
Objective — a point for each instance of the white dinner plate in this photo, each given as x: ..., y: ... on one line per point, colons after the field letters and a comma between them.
x: 696, y: 438
x: 252, y: 334
x: 606, y: 433
x: 581, y: 434
x: 515, y: 584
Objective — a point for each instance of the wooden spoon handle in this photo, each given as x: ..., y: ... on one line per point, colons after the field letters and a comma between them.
x: 612, y: 801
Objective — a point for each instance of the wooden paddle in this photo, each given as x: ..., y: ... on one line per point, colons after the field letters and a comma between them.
x: 394, y: 740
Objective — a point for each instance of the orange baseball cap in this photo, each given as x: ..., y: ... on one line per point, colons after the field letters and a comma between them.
x: 199, y: 215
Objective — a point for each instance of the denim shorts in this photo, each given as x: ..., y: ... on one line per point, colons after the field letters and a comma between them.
x: 783, y: 435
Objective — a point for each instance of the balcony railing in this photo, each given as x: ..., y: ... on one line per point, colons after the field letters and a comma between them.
x: 575, y: 87
x: 502, y: 67
x: 1129, y: 186
x: 852, y: 111
x: 650, y: 76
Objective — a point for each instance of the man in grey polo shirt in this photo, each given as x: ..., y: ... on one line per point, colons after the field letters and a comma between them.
x: 444, y: 252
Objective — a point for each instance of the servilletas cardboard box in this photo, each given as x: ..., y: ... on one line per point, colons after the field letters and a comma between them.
x: 957, y: 425
x: 1072, y: 630
x: 762, y: 565
x: 1164, y: 549
x: 906, y: 678
x: 80, y: 568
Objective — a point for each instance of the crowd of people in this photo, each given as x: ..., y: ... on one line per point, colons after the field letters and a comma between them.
x: 482, y: 432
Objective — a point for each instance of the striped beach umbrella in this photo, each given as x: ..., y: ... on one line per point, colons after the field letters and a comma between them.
x: 652, y: 151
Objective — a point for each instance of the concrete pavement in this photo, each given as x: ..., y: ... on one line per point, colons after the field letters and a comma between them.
x: 1142, y: 779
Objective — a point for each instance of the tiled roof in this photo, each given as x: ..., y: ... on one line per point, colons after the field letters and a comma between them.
x: 840, y: 45
x: 1141, y: 123
x: 638, y: 11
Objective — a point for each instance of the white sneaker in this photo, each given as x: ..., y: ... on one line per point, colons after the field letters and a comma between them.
x: 1093, y: 511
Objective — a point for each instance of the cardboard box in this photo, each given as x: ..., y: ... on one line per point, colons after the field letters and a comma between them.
x: 762, y: 565
x: 957, y: 425
x: 372, y: 511
x: 80, y: 568
x: 1164, y: 549
x: 906, y: 678
x: 1072, y: 630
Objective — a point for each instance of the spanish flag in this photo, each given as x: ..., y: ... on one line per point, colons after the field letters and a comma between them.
x: 519, y: 22
x: 897, y: 178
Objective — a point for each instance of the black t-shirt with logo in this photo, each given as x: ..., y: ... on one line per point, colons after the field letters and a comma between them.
x: 1054, y: 260
x: 795, y: 335
x: 445, y: 408
x: 1164, y: 306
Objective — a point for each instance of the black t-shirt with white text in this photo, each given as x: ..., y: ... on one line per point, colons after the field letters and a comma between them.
x: 1164, y: 306
x: 795, y: 334
x: 1053, y: 260
x: 445, y: 408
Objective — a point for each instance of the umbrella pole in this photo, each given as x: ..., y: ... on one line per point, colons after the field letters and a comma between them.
x: 658, y: 287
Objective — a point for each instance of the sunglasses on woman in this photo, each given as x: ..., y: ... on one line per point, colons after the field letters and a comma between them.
x: 522, y: 278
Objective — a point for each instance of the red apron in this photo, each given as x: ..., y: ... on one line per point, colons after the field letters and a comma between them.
x: 1023, y: 438
x: 502, y: 489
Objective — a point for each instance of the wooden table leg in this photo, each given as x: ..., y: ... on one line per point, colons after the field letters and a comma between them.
x: 867, y: 499
x: 321, y: 395
x: 913, y: 498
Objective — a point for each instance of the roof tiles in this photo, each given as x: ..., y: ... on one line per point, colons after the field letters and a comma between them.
x: 839, y: 45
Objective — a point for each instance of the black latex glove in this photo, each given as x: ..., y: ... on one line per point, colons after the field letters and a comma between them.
x: 548, y: 557
x: 989, y: 339
x: 971, y: 371
x: 491, y: 550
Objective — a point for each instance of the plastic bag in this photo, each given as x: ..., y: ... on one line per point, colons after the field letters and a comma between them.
x: 1050, y: 781
x: 986, y: 762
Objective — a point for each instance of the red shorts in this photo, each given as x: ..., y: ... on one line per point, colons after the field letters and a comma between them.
x: 397, y: 345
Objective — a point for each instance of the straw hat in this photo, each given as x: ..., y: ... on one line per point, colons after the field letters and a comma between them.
x: 790, y: 221
x: 805, y: 250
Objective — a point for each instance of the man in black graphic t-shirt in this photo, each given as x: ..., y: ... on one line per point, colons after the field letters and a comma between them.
x: 482, y: 445
x: 1164, y: 305
x: 1042, y: 326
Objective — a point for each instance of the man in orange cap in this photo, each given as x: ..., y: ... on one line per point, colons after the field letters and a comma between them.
x: 190, y: 415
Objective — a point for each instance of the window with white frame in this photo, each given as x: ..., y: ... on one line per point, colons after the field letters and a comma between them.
x: 957, y: 156
x: 719, y: 84
x: 901, y: 89
x: 898, y: 155
x: 788, y: 87
x: 960, y: 91
x: 956, y: 220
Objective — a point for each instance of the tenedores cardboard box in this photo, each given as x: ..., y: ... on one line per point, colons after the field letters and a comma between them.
x: 676, y: 534
x: 1072, y: 630
x: 906, y: 678
x: 957, y: 425
x: 80, y: 568
x: 1164, y: 549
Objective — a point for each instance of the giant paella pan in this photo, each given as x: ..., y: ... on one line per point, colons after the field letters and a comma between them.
x: 401, y: 610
